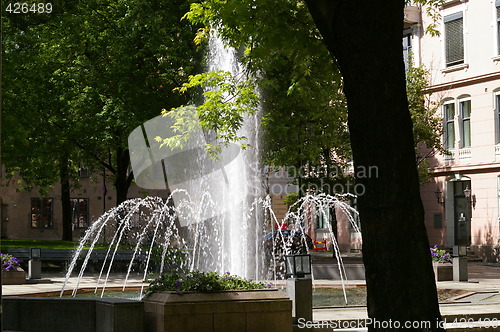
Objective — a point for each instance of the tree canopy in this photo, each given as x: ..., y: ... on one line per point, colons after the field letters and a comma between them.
x: 86, y: 75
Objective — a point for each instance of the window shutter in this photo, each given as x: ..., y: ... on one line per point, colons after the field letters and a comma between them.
x: 454, y: 39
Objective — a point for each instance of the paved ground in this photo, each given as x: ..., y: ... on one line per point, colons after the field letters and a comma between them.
x: 478, y: 299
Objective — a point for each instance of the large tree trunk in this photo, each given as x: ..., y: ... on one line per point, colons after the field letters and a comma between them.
x: 67, y: 229
x: 366, y: 39
x: 123, y: 178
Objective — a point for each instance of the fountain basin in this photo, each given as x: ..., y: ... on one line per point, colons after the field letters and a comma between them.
x: 57, y: 314
x: 252, y: 310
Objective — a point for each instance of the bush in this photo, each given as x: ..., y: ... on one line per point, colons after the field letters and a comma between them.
x: 202, y: 282
x: 440, y: 256
x: 9, y: 262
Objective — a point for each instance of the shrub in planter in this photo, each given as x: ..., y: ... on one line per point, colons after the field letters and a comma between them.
x: 12, y: 274
x: 439, y: 255
x: 181, y: 281
x: 441, y: 261
x: 205, y: 301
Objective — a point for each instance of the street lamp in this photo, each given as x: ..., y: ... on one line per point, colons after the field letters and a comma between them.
x: 467, y: 192
x: 35, y: 253
x: 297, y: 266
x: 438, y: 194
x: 299, y: 287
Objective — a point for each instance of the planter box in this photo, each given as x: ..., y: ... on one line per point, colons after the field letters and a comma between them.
x: 17, y: 277
x: 255, y: 310
x: 443, y: 271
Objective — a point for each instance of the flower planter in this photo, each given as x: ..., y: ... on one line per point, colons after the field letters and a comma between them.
x: 14, y: 277
x: 252, y: 310
x: 443, y: 271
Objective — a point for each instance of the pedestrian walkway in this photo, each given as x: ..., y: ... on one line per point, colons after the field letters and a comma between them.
x: 52, y: 284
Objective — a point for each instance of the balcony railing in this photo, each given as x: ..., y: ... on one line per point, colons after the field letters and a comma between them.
x: 465, y: 153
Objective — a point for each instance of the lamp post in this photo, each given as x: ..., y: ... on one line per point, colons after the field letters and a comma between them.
x: 299, y: 286
x: 35, y: 264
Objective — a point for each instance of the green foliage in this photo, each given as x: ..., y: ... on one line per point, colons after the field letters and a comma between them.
x: 291, y: 198
x: 80, y: 79
x: 439, y: 255
x: 9, y: 262
x: 44, y: 244
x: 427, y: 126
x: 202, y: 282
x: 305, y: 114
x: 226, y: 100
x: 433, y: 10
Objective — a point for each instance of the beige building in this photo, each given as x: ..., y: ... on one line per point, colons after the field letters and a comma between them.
x: 463, y: 198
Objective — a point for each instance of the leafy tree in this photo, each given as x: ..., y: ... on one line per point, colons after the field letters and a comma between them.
x: 427, y: 126
x: 365, y: 41
x: 92, y: 71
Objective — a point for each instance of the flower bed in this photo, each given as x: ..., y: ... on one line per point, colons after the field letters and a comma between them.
x: 12, y: 274
x: 441, y: 263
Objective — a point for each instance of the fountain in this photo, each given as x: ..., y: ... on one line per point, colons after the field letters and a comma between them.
x: 217, y: 215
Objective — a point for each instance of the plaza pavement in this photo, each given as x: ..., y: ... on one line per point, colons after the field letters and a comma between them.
x: 475, y: 308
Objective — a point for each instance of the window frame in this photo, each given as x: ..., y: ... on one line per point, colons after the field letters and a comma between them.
x: 463, y: 120
x: 75, y: 222
x: 497, y: 116
x: 449, y: 121
x: 407, y: 47
x: 42, y: 212
x: 446, y: 23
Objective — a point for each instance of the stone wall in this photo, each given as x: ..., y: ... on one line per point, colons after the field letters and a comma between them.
x: 49, y: 314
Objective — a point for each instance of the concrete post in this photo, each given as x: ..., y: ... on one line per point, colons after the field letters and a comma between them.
x: 299, y: 290
x: 460, y: 272
x: 34, y: 269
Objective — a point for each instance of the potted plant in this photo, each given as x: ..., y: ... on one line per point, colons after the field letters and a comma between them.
x: 441, y: 262
x: 12, y: 273
x: 193, y: 301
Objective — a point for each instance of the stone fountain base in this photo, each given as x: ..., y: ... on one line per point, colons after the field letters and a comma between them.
x: 254, y: 310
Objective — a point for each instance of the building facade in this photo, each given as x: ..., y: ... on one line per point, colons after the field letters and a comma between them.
x: 28, y: 215
x: 462, y: 200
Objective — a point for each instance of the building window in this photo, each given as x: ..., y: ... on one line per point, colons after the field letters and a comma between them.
x: 41, y: 212
x: 465, y: 132
x: 323, y: 218
x: 80, y: 212
x: 407, y: 48
x: 497, y: 117
x: 354, y: 222
x: 498, y: 196
x: 449, y: 125
x: 454, y: 39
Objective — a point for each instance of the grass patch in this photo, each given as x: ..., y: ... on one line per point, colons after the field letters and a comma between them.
x: 44, y: 244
